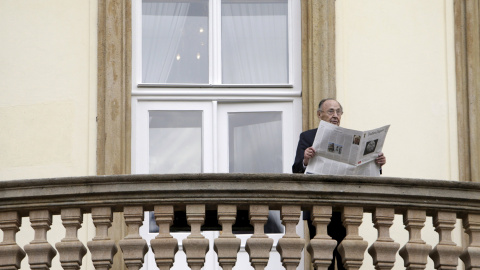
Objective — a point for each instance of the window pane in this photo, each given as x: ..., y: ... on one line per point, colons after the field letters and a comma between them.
x: 255, y: 142
x: 254, y: 42
x: 175, y: 142
x: 175, y: 41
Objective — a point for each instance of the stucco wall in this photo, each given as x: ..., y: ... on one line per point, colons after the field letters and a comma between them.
x: 48, y: 96
x: 48, y: 88
x: 395, y: 65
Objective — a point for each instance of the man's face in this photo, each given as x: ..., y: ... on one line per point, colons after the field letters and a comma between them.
x: 330, y: 112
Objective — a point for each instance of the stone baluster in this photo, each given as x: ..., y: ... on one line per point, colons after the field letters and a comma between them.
x: 133, y: 246
x: 11, y: 254
x: 415, y: 251
x: 195, y: 245
x: 290, y: 246
x: 40, y: 252
x: 322, y: 245
x: 164, y: 245
x: 227, y: 244
x: 353, y: 247
x: 102, y: 247
x: 70, y: 249
x: 259, y: 245
x: 445, y: 254
x: 471, y: 255
x: 384, y: 250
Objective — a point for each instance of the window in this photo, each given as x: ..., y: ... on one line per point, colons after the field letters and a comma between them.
x: 216, y: 88
x: 175, y: 41
x: 254, y: 42
x: 175, y: 136
x: 255, y: 136
x: 215, y: 42
x: 213, y: 137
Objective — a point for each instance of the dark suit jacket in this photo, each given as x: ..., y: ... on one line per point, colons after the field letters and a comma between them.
x: 305, y: 141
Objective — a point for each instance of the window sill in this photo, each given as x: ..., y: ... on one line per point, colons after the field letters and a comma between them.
x: 229, y: 86
x: 216, y: 90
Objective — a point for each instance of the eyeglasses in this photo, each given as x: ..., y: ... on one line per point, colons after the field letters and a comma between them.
x: 332, y: 111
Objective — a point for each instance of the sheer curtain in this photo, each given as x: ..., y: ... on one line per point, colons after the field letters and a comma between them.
x: 255, y: 42
x: 162, y: 24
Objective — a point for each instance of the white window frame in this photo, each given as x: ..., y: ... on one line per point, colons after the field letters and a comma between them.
x: 290, y: 92
x: 148, y: 97
x: 285, y: 108
x: 292, y: 89
x: 140, y: 150
x: 213, y: 135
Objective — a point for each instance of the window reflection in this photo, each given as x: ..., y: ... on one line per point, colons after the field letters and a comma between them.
x: 175, y: 142
x: 255, y: 142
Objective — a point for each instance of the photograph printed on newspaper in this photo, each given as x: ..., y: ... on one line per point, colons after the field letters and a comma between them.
x: 342, y: 151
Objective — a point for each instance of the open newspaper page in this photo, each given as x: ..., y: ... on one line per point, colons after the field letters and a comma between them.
x: 342, y: 151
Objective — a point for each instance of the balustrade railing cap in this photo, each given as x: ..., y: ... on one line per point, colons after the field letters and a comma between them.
x: 239, y: 189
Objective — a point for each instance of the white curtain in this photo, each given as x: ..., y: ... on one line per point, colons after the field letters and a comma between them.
x: 254, y: 42
x: 162, y: 24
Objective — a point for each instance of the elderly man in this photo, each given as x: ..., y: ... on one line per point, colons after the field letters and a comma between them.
x: 331, y: 111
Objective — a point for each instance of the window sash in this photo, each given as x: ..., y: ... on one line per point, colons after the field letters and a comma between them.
x: 214, y: 64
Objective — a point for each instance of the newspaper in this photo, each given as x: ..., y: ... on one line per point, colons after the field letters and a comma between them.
x: 341, y: 151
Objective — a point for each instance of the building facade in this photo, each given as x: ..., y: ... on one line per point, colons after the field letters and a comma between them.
x: 72, y: 102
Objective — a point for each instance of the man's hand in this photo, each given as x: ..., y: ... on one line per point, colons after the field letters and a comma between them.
x: 307, y: 155
x: 380, y: 160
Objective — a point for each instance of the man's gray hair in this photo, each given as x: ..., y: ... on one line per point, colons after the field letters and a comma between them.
x: 323, y: 101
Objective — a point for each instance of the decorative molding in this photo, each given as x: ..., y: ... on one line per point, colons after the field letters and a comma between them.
x: 114, y: 87
x: 318, y: 57
x: 114, y: 98
x: 467, y: 55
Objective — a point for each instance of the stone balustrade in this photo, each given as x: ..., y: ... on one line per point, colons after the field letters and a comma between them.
x: 101, y: 196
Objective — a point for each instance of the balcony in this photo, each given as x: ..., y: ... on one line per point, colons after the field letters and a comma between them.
x: 415, y: 199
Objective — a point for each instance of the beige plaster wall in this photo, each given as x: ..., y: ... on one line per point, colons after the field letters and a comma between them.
x: 48, y: 56
x: 396, y: 65
x: 47, y: 88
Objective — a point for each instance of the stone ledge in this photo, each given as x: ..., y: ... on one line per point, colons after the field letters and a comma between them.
x: 240, y: 189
